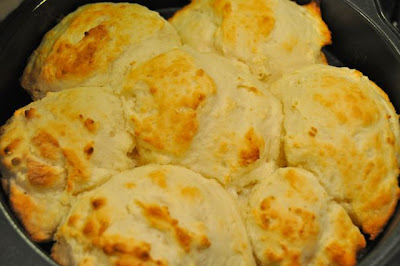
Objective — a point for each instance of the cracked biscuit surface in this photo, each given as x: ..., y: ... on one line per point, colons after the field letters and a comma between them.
x: 342, y: 127
x: 95, y: 45
x: 152, y: 215
x: 270, y: 36
x: 60, y: 146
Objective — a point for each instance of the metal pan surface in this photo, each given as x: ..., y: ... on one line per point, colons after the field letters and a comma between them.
x: 362, y: 39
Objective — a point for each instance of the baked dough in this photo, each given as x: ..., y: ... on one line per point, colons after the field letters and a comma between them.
x: 154, y: 215
x: 60, y: 146
x: 95, y: 45
x: 270, y: 36
x: 201, y: 111
x: 342, y: 127
x: 292, y: 221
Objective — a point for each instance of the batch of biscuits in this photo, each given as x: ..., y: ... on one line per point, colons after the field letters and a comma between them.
x: 219, y: 137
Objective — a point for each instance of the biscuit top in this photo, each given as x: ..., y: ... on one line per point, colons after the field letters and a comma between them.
x: 154, y: 215
x: 59, y: 146
x: 291, y: 221
x: 200, y: 111
x: 280, y: 35
x: 95, y: 45
x: 342, y: 127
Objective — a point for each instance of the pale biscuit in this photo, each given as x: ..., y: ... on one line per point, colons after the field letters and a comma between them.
x: 343, y: 128
x: 199, y: 110
x: 292, y: 221
x: 154, y: 215
x: 270, y: 36
x: 95, y: 46
x: 57, y: 147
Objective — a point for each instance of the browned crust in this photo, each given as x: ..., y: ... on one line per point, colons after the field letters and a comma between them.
x: 29, y: 213
x: 315, y: 11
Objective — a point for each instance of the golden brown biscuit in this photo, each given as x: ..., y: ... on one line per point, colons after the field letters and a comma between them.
x: 95, y: 46
x: 343, y: 128
x: 154, y: 215
x: 270, y: 36
x: 60, y: 146
x: 292, y: 221
x: 199, y: 110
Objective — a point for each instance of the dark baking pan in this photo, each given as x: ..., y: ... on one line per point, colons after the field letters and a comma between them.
x: 363, y: 38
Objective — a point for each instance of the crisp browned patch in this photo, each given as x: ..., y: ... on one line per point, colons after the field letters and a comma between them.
x: 41, y: 175
x: 10, y: 148
x: 30, y: 113
x: 90, y: 125
x: 95, y: 226
x: 68, y: 59
x: 128, y: 251
x: 88, y: 150
x: 47, y: 145
x: 77, y: 171
x: 158, y: 177
x: 314, y: 9
x: 29, y: 213
x: 16, y: 161
x: 160, y: 218
x: 251, y: 152
x: 73, y: 220
x: 313, y: 131
x: 176, y: 89
x: 98, y: 203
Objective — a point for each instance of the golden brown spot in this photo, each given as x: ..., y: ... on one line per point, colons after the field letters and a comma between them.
x: 30, y: 113
x: 16, y: 161
x: 312, y: 132
x: 95, y: 227
x: 88, y: 150
x: 200, y: 72
x: 153, y: 90
x: 158, y: 177
x: 41, y: 174
x: 130, y: 185
x: 390, y: 140
x: 251, y: 152
x: 90, y: 124
x: 160, y: 217
x: 191, y: 192
x: 98, y: 203
x: 12, y: 146
x: 204, y: 242
x: 72, y: 220
x: 47, y: 145
x: 77, y: 171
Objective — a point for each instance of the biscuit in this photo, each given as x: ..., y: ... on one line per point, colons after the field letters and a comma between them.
x: 95, y: 46
x: 60, y: 146
x: 154, y: 215
x: 270, y: 36
x: 292, y: 221
x: 342, y: 127
x: 201, y: 111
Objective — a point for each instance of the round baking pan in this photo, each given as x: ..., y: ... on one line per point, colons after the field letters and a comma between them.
x: 362, y: 39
